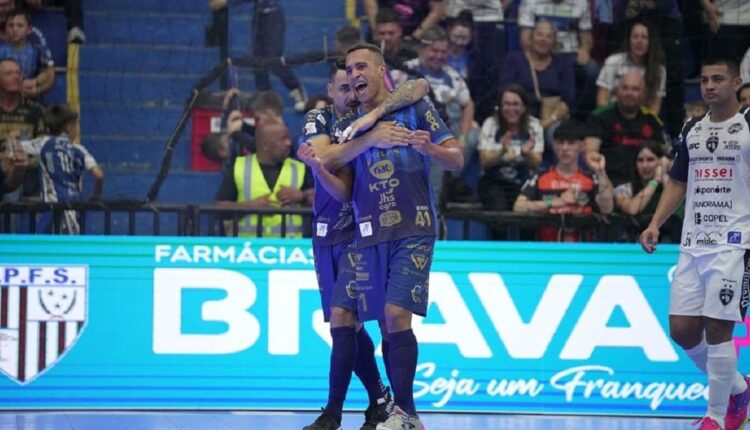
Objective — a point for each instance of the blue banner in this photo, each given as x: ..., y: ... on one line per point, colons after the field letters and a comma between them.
x: 155, y: 322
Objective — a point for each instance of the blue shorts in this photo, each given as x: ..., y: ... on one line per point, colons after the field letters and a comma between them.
x: 395, y: 272
x: 334, y: 267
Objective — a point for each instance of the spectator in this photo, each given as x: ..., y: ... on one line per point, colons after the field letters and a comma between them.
x: 37, y: 72
x: 696, y: 108
x: 449, y: 90
x: 63, y: 163
x: 346, y: 37
x: 318, y: 101
x: 414, y: 16
x: 745, y: 67
x: 510, y: 146
x: 641, y: 194
x: 487, y: 49
x: 13, y: 163
x: 237, y: 136
x: 744, y: 94
x: 388, y: 34
x: 664, y: 18
x: 565, y: 188
x: 73, y: 16
x: 617, y: 130
x: 543, y: 73
x: 269, y: 178
x: 729, y: 20
x: 269, y: 28
x: 572, y: 20
x: 21, y: 117
x: 36, y: 38
x: 459, y: 32
x: 643, y: 54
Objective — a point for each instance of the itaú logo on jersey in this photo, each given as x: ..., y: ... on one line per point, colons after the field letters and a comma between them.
x: 714, y: 173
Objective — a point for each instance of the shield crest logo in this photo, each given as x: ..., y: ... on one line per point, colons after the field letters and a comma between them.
x: 43, y: 311
x: 725, y: 295
x: 712, y: 143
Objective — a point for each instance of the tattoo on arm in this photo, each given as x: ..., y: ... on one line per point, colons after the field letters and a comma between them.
x: 404, y: 95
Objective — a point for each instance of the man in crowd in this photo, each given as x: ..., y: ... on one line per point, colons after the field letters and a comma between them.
x: 269, y: 178
x: 565, y: 187
x: 617, y: 129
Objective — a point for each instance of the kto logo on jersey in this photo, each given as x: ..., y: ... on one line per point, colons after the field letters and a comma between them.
x: 42, y: 313
x: 714, y: 173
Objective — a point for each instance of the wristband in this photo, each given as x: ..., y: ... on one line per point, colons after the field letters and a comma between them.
x: 653, y: 183
x: 548, y: 201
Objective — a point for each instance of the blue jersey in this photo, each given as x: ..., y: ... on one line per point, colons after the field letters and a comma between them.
x: 392, y: 193
x: 332, y: 220
x: 62, y: 165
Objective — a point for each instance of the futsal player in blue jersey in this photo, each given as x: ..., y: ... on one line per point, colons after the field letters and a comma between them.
x: 395, y: 223
x: 333, y: 243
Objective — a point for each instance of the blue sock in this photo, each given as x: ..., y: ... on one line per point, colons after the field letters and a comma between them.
x: 340, y: 374
x: 403, y: 358
x: 366, y: 368
x: 386, y: 347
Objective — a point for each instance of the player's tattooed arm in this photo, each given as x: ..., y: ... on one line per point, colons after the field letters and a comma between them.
x: 404, y: 95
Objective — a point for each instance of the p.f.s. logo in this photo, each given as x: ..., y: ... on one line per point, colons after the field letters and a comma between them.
x: 43, y: 312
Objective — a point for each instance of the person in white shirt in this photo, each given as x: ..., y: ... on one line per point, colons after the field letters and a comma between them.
x: 711, y: 284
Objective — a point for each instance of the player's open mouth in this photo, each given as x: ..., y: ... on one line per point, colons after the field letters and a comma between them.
x: 360, y: 87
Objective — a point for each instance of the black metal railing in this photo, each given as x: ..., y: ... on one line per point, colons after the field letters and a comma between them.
x: 133, y: 218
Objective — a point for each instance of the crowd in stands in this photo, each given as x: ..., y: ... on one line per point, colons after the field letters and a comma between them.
x: 582, y: 117
x: 604, y: 81
x: 39, y: 159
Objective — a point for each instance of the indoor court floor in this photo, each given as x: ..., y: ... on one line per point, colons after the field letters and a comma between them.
x: 225, y: 420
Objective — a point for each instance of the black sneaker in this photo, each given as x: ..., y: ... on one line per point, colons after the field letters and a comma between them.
x: 378, y: 413
x: 325, y: 421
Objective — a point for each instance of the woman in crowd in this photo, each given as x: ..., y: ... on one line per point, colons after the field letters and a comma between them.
x: 510, y: 146
x: 641, y: 194
x: 639, y: 52
x: 548, y: 77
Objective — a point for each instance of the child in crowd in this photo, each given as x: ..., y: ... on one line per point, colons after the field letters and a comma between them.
x: 37, y: 69
x: 63, y: 163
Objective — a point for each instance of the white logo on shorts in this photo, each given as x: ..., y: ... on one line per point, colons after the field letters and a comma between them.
x: 322, y: 229
x: 365, y: 229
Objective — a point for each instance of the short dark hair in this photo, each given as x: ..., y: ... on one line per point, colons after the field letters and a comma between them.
x: 348, y: 35
x: 210, y: 147
x: 369, y: 47
x: 432, y: 35
x: 386, y: 15
x: 338, y: 63
x: 58, y: 117
x: 569, y: 129
x: 18, y: 12
x: 732, y: 67
x: 744, y: 86
x: 267, y: 100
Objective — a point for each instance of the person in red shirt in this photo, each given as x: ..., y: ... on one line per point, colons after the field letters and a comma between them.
x: 566, y: 189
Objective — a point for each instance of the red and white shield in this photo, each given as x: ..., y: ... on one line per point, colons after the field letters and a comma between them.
x: 43, y: 311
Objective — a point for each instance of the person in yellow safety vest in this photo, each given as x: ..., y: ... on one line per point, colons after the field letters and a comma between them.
x: 268, y: 178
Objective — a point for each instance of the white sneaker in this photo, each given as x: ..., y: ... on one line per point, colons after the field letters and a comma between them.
x: 299, y: 95
x: 400, y: 420
x: 76, y: 35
